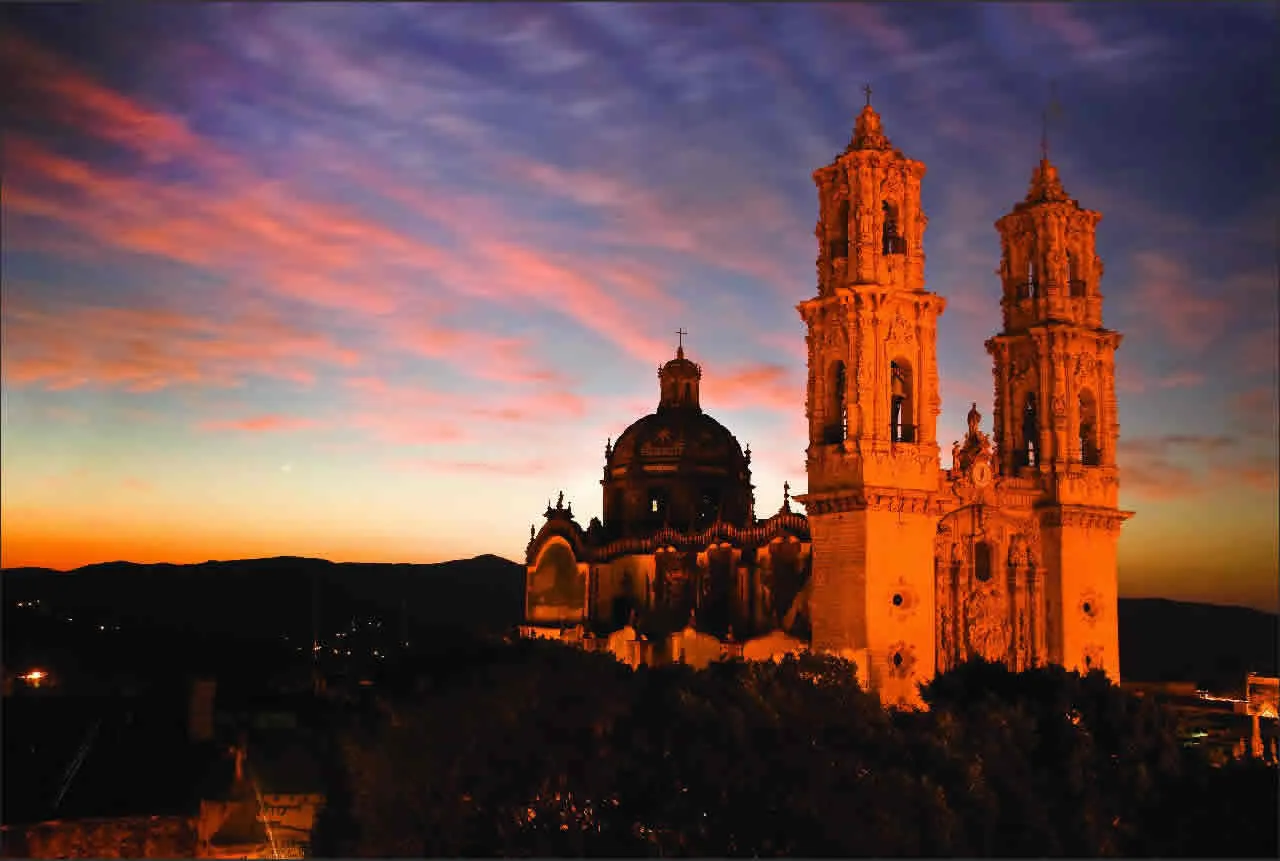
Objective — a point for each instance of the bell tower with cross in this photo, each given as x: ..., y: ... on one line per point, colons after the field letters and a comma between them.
x: 1056, y: 415
x: 872, y: 406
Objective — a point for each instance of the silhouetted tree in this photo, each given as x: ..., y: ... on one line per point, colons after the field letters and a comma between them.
x: 539, y: 749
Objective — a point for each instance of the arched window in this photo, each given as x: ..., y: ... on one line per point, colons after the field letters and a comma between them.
x: 688, y: 393
x: 840, y: 242
x: 1030, y: 455
x: 557, y: 585
x: 892, y: 241
x: 1031, y: 278
x: 1073, y: 276
x: 902, y: 427
x: 1090, y: 453
x: 837, y: 416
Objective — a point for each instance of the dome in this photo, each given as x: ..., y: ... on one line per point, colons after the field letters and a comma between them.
x: 677, y: 466
x: 678, y: 434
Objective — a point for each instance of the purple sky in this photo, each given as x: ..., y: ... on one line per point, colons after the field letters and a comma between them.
x: 375, y: 281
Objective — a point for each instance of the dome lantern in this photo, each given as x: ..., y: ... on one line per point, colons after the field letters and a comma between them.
x: 678, y: 380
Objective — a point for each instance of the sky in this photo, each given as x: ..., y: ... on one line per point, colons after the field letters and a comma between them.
x: 374, y: 282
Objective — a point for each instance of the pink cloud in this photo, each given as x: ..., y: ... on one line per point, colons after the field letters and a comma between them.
x: 79, y: 101
x: 643, y: 215
x: 255, y: 233
x: 142, y: 350
x: 1184, y: 466
x: 1259, y: 351
x: 261, y: 424
x: 1258, y: 411
x: 767, y: 386
x: 480, y: 354
x: 1182, y: 380
x: 414, y: 415
x: 1167, y: 296
x: 494, y: 468
x: 522, y: 271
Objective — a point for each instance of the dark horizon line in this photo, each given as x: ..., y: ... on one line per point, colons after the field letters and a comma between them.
x: 41, y: 568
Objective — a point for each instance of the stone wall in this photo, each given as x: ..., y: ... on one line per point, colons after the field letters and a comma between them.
x: 124, y: 837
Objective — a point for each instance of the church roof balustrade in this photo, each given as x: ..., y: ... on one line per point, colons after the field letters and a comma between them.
x: 784, y: 524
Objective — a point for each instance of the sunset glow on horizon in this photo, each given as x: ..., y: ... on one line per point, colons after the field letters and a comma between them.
x: 374, y: 282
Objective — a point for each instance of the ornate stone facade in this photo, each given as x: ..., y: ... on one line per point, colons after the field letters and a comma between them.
x: 1010, y: 553
x: 901, y: 565
x: 680, y: 567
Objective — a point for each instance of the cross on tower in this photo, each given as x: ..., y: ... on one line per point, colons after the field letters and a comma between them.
x: 681, y: 333
x: 866, y: 88
x: 1051, y: 110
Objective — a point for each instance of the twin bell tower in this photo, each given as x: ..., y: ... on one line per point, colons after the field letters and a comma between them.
x: 1009, y: 554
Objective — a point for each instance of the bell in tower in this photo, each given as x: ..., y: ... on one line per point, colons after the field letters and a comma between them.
x: 870, y: 226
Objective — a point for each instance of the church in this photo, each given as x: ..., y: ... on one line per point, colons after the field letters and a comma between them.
x: 899, y: 564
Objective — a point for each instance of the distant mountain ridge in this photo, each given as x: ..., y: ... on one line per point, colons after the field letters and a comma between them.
x: 1160, y: 639
x: 254, y: 597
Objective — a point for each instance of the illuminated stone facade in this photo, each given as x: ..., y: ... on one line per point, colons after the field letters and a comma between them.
x: 1011, y: 553
x: 901, y: 565
x: 679, y: 568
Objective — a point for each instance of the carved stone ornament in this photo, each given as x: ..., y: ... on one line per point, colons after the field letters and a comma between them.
x: 1020, y: 368
x: 1085, y: 363
x: 1020, y: 551
x: 891, y: 188
x: 988, y: 629
x: 901, y: 329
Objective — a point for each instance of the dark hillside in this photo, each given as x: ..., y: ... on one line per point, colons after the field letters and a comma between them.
x: 260, y: 600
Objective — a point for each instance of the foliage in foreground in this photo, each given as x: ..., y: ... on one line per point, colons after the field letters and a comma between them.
x: 541, y: 750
